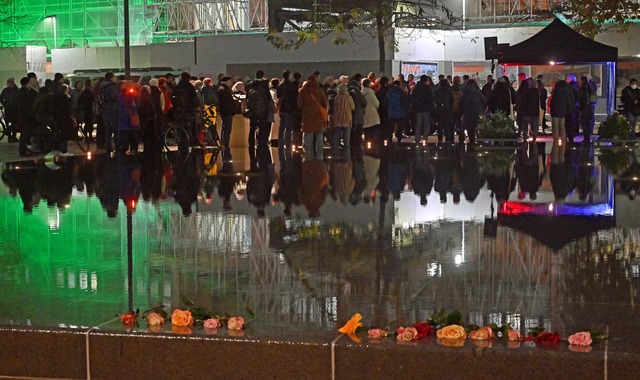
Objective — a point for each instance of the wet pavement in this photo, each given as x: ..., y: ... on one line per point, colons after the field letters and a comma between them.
x: 527, y: 235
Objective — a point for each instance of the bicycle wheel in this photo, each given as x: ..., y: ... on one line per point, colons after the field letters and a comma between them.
x: 3, y: 128
x: 176, y: 137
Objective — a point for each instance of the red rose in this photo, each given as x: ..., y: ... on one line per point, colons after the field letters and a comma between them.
x: 423, y: 329
x: 129, y: 318
x: 548, y: 338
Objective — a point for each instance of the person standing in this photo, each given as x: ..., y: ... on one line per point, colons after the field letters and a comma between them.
x: 530, y: 109
x: 397, y: 106
x: 109, y: 90
x: 371, y: 124
x: 25, y: 116
x: 630, y: 99
x: 562, y: 103
x: 358, y: 113
x: 473, y: 105
x: 288, y: 100
x: 312, y: 102
x: 585, y: 102
x: 443, y: 99
x: 9, y: 100
x: 259, y: 105
x: 341, y: 113
x: 542, y: 91
x: 422, y: 102
x: 129, y: 118
x: 85, y: 101
x: 227, y: 109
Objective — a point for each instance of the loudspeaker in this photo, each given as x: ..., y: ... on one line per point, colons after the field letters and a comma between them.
x: 490, y: 48
x: 502, y: 48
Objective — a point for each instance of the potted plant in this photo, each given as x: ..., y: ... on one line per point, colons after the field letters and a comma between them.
x: 614, y: 127
x: 496, y: 126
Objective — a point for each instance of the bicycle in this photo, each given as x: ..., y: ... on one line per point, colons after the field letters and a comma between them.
x: 82, y: 139
x: 176, y: 138
x: 208, y: 133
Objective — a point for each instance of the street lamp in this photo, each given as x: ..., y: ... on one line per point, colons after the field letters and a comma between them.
x: 54, y: 19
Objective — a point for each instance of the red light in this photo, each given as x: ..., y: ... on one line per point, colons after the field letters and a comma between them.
x: 132, y: 204
x: 131, y: 90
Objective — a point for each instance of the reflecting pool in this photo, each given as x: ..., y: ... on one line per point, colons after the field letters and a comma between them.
x: 529, y: 235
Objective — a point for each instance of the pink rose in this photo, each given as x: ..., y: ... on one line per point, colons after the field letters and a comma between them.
x: 482, y: 334
x: 515, y: 335
x: 581, y: 339
x: 155, y: 319
x: 235, y: 323
x: 407, y: 334
x: 212, y: 323
x: 376, y: 334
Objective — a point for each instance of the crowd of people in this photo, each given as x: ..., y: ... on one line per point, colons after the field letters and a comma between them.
x: 342, y: 112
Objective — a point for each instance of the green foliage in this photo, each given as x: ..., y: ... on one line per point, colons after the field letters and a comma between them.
x: 496, y: 162
x: 440, y: 319
x: 614, y: 160
x: 615, y: 127
x: 590, y: 17
x: 496, y: 126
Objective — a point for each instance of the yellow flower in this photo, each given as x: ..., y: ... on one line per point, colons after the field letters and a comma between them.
x: 351, y: 326
x: 452, y: 332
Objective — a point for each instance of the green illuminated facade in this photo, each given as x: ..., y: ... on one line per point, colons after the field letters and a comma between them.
x: 71, y: 23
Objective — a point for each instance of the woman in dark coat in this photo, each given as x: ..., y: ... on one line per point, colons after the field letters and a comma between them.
x: 473, y: 104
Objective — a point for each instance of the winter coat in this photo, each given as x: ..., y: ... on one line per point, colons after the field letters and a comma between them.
x: 530, y: 104
x: 288, y: 95
x: 359, y: 101
x: 128, y: 117
x: 472, y: 103
x: 397, y: 103
x: 209, y: 96
x: 308, y: 107
x: 371, y: 115
x: 227, y: 106
x: 562, y: 101
x: 62, y: 113
x: 630, y: 99
x: 422, y: 98
x: 110, y: 95
x: 342, y: 111
x: 501, y: 98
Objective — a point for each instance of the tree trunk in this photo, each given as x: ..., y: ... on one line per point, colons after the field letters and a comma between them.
x: 381, y: 43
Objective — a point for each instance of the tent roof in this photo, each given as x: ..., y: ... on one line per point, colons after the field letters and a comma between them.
x: 557, y: 42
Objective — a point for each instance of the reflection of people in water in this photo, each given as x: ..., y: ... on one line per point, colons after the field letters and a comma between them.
x: 260, y: 178
x: 559, y: 173
x: 359, y: 178
x: 371, y: 165
x: 422, y: 174
x: 23, y: 182
x: 228, y: 180
x: 151, y: 175
x: 586, y: 171
x: 289, y: 179
x: 472, y: 179
x: 628, y: 179
x: 529, y: 170
x: 56, y: 184
x: 398, y: 172
x: 314, y: 186
x: 186, y: 182
x: 129, y: 175
x: 341, y: 179
x: 443, y: 168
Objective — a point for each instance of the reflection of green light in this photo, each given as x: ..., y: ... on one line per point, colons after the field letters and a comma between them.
x: 73, y: 272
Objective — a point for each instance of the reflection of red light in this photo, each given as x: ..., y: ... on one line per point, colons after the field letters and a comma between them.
x: 132, y: 204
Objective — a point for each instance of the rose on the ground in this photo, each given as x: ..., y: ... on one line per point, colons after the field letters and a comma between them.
x: 452, y: 332
x: 181, y: 318
x: 129, y: 318
x: 155, y: 319
x: 547, y: 338
x: 514, y: 335
x: 582, y: 338
x: 235, y: 323
x: 376, y: 334
x: 423, y: 328
x: 483, y: 333
x: 407, y: 334
x: 212, y: 323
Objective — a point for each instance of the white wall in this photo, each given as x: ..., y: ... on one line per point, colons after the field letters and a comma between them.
x: 14, y: 63
x: 67, y: 60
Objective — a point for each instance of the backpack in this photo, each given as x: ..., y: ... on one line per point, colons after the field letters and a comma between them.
x: 256, y: 103
x: 97, y: 106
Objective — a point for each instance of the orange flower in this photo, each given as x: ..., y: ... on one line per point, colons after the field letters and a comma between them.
x: 483, y: 333
x: 182, y: 318
x: 351, y: 326
x: 129, y: 318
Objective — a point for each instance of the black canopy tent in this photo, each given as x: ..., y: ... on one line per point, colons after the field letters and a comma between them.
x: 557, y: 43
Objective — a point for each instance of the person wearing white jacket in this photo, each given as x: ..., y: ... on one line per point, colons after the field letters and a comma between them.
x: 371, y: 116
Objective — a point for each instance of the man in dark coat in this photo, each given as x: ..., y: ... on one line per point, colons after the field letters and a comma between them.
x: 422, y: 102
x: 562, y: 104
x: 630, y: 99
x: 227, y: 108
x: 9, y: 99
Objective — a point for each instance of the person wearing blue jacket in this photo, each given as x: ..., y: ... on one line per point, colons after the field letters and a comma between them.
x: 397, y: 107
